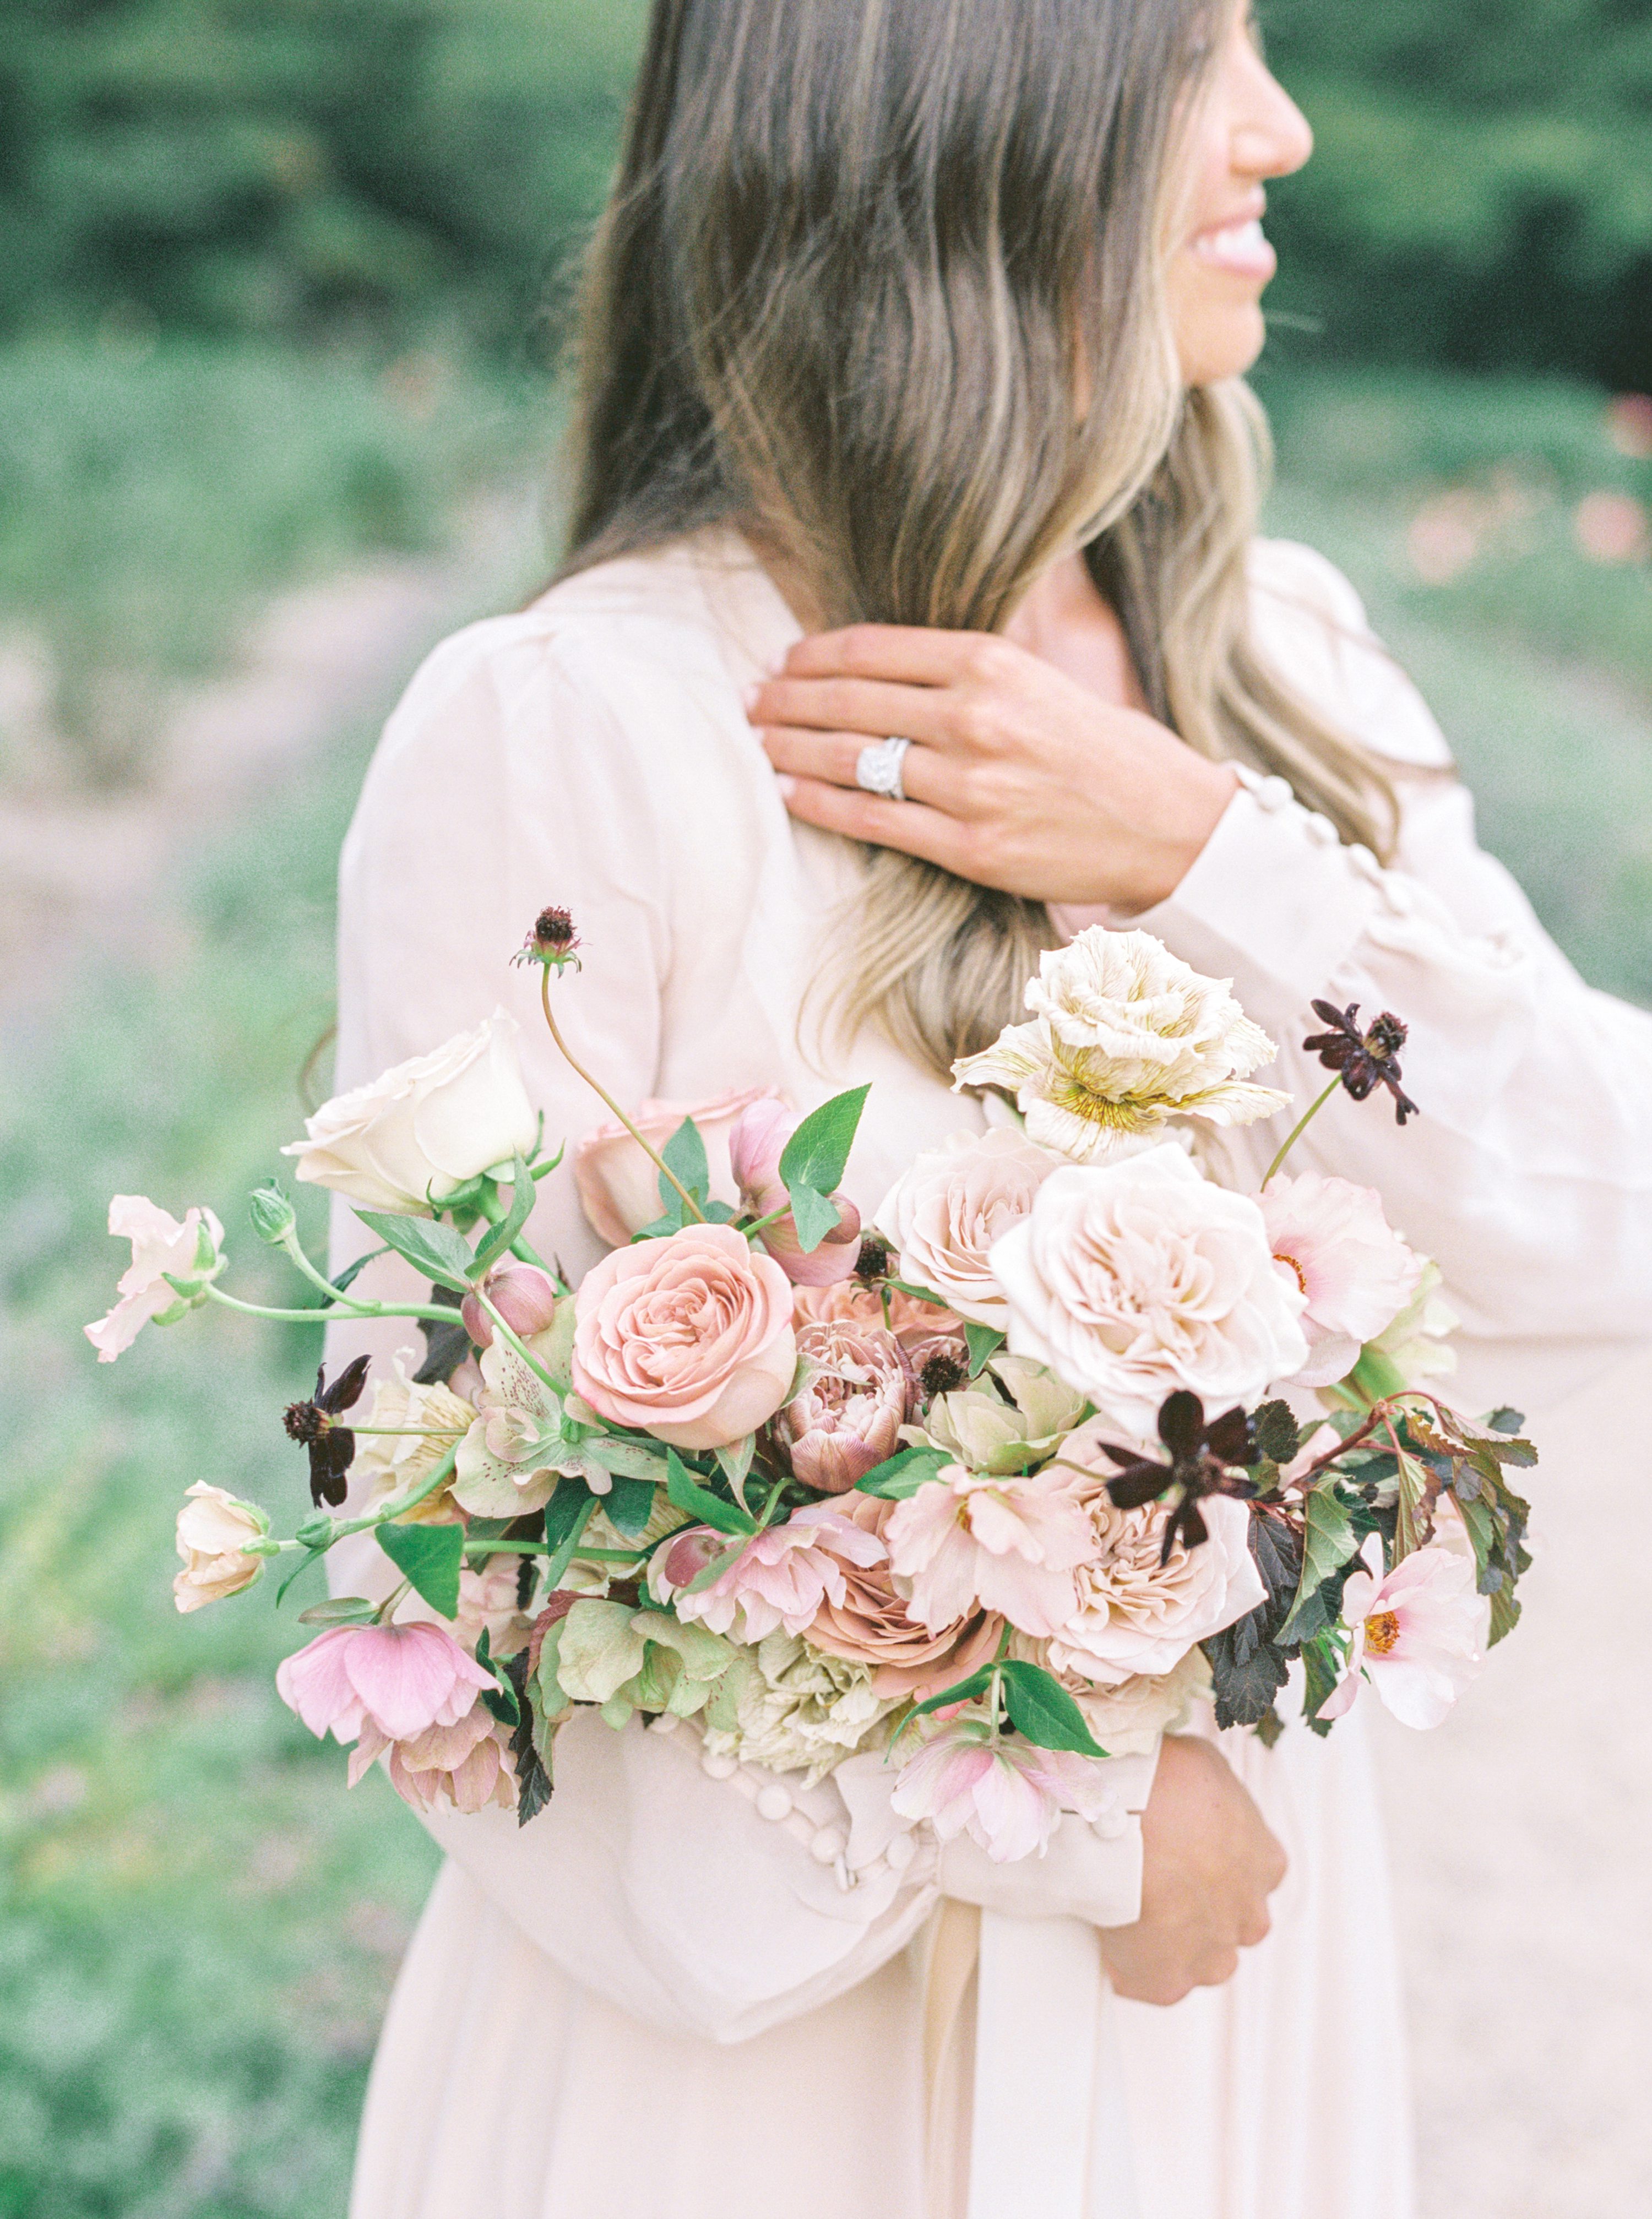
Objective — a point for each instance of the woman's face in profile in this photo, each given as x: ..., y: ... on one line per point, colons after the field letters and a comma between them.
x: 1246, y: 129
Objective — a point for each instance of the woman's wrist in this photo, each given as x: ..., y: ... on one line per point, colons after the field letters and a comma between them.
x: 1190, y: 807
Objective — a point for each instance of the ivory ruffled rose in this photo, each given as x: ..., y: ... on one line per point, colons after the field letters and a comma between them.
x: 1132, y: 1279
x: 943, y: 1214
x: 413, y: 1136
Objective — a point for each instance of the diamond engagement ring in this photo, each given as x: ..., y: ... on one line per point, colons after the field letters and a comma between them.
x: 877, y: 768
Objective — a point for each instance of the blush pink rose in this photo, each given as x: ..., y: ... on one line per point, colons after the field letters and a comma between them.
x: 688, y: 1338
x: 870, y: 1623
x: 400, y: 1679
x: 618, y: 1182
x: 780, y: 1578
x: 1331, y: 1239
x: 755, y: 1147
x: 966, y: 1541
x: 859, y: 1390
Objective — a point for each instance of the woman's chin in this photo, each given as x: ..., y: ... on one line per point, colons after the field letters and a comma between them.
x: 1221, y: 342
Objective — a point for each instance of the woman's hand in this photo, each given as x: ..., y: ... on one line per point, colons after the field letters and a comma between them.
x: 1209, y: 1866
x: 1018, y: 778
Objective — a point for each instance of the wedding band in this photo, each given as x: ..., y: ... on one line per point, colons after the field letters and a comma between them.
x: 877, y: 768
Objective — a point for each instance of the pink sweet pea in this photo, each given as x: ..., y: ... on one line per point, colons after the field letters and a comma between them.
x: 162, y: 1250
x: 966, y: 1541
x: 755, y: 1146
x: 1417, y: 1633
x: 400, y: 1679
x: 782, y: 1578
x: 1330, y: 1239
x: 1007, y: 1795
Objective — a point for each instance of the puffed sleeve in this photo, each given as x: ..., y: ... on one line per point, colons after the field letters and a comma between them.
x: 1529, y: 1175
x: 511, y: 776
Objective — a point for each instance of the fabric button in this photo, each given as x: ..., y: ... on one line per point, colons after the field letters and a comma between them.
x: 1319, y: 829
x: 829, y: 1845
x: 774, y: 1803
x: 667, y: 1722
x: 717, y: 1764
x: 900, y: 1852
x: 1274, y: 793
x: 1399, y: 898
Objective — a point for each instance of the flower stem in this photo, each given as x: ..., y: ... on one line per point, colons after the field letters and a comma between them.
x: 512, y: 1341
x: 1301, y: 1127
x: 652, y: 1154
x: 341, y: 1306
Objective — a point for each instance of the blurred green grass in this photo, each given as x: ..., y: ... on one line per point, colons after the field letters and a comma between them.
x: 198, y: 1923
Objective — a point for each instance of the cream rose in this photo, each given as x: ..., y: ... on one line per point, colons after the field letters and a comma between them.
x: 420, y: 1130
x: 943, y: 1214
x: 1136, y: 1614
x: 1132, y: 1279
x: 689, y: 1337
x: 214, y: 1529
x: 618, y: 1183
x: 1125, y: 1035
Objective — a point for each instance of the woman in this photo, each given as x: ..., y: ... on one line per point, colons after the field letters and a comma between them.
x: 910, y: 409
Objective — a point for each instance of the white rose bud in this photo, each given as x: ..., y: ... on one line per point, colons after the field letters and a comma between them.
x: 418, y: 1132
x: 213, y: 1532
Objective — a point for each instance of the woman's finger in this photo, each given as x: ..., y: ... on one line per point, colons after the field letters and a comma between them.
x: 908, y: 654
x: 908, y: 825
x: 854, y: 705
x: 833, y: 756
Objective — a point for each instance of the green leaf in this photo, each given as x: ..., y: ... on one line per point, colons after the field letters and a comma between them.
x: 918, y: 1294
x: 964, y: 1691
x: 1275, y: 1432
x: 1041, y: 1709
x: 735, y: 1464
x: 1414, y: 1487
x: 1505, y: 1421
x: 565, y: 1552
x: 303, y: 1565
x: 700, y: 1504
x: 1321, y: 1668
x: 430, y: 1556
x: 813, y: 1216
x: 902, y: 1475
x: 568, y: 1498
x: 523, y: 1197
x: 630, y: 1505
x: 816, y: 1153
x: 436, y: 1252
x: 339, y: 1610
x: 983, y: 1343
x: 1328, y: 1541
x: 342, y: 1281
x: 684, y: 1154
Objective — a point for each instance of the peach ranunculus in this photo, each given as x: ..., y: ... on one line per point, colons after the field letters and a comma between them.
x: 946, y: 1211
x: 409, y: 1138
x: 618, y: 1182
x: 1331, y: 1238
x: 755, y: 1147
x: 214, y: 1528
x: 688, y: 1338
x: 1136, y: 1613
x: 1007, y: 1795
x: 966, y: 1542
x: 923, y: 1329
x: 162, y: 1251
x: 1131, y: 1279
x: 871, y: 1623
x: 465, y: 1764
x: 858, y: 1391
x: 780, y: 1578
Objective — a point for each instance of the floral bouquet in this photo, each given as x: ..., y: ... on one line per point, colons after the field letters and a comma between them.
x: 1068, y: 1437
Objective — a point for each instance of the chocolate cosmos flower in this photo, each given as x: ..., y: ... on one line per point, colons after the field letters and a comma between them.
x: 331, y: 1446
x: 1364, y: 1059
x: 553, y: 941
x: 1200, y: 1458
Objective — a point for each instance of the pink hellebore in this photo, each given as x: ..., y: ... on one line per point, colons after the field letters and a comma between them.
x: 782, y: 1578
x: 463, y: 1764
x: 1007, y: 1795
x: 162, y: 1250
x: 968, y: 1541
x: 1417, y: 1633
x: 1330, y: 1239
x: 755, y: 1146
x: 401, y: 1679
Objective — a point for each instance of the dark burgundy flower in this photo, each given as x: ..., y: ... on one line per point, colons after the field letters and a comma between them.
x: 1200, y: 1463
x: 873, y: 1259
x: 1362, y: 1060
x: 553, y: 941
x: 942, y: 1373
x: 315, y: 1424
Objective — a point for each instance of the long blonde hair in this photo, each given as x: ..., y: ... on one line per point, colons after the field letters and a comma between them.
x: 882, y: 279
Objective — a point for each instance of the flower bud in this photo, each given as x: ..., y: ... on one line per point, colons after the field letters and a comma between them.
x: 216, y: 1535
x: 315, y: 1532
x: 524, y: 1295
x: 273, y: 1215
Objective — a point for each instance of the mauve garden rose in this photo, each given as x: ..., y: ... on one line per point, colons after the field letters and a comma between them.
x: 162, y: 1251
x: 1133, y: 1278
x: 688, y: 1338
x: 870, y: 1623
x: 618, y: 1183
x: 755, y: 1147
x: 1331, y: 1238
x: 214, y: 1528
x: 943, y: 1214
x: 858, y: 1391
x: 923, y: 1329
x: 401, y: 1679
x: 1135, y: 1614
x: 413, y: 1136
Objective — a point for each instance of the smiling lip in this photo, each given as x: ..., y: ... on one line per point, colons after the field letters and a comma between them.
x: 1241, y: 247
